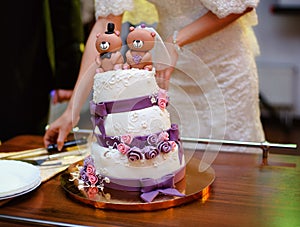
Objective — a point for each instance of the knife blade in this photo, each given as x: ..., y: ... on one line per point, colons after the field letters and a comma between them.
x: 52, y: 148
x: 39, y: 160
x: 67, y: 144
x: 24, y: 154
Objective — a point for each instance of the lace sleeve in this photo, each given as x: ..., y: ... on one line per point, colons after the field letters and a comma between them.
x: 223, y: 8
x: 105, y: 7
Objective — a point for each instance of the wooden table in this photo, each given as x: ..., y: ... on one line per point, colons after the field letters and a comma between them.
x: 244, y: 193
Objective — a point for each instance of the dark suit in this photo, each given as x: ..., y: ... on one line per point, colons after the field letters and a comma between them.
x: 27, y: 75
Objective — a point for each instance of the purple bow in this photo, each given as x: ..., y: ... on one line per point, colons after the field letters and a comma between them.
x: 150, y: 188
x: 137, y: 59
x: 174, y: 133
x: 98, y: 113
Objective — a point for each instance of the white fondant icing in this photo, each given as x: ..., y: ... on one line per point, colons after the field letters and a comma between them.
x: 117, y: 166
x: 137, y: 123
x: 123, y: 84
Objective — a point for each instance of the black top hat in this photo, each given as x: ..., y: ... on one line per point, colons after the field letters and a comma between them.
x: 110, y: 28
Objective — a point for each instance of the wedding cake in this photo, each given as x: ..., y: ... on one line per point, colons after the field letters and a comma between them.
x: 137, y: 148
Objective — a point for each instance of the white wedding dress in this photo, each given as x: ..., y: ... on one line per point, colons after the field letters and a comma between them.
x: 226, y: 107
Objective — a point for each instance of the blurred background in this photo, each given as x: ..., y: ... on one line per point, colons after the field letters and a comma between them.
x: 278, y: 34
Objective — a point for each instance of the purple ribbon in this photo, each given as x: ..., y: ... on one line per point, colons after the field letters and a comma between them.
x: 104, y: 108
x: 151, y: 188
x: 101, y: 110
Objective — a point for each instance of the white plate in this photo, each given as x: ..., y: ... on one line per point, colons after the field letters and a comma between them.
x: 17, y: 178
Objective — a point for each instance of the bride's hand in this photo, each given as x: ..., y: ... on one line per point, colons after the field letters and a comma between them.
x: 59, y: 130
x: 164, y: 70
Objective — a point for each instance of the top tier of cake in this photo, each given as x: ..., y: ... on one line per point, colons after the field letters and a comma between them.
x: 123, y: 84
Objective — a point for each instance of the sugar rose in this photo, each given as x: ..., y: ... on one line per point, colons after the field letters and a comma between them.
x: 152, y: 139
x: 93, y: 179
x: 134, y: 154
x: 164, y: 147
x: 127, y: 139
x: 150, y: 152
x: 123, y: 148
x: 162, y: 103
x: 163, y: 136
x: 90, y: 169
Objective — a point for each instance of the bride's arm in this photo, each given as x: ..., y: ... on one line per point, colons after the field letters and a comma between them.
x: 61, y: 127
x: 88, y: 67
x: 197, y: 30
x: 203, y: 27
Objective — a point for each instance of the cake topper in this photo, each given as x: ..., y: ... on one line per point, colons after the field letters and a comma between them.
x: 140, y: 41
x: 109, y: 44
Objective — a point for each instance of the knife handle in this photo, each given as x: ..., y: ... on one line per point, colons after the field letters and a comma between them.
x: 70, y: 143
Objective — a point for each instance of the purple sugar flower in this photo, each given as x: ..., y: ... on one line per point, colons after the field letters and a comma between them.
x: 150, y: 152
x: 152, y: 139
x: 164, y: 147
x: 134, y: 154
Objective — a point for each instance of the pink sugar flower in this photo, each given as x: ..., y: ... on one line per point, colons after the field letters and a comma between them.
x: 162, y: 103
x: 123, y: 148
x: 90, y: 169
x: 92, y: 192
x: 127, y: 138
x: 173, y: 144
x: 163, y: 136
x: 93, y: 179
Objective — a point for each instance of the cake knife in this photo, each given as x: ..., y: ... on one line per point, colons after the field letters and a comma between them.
x: 39, y: 160
x: 52, y: 148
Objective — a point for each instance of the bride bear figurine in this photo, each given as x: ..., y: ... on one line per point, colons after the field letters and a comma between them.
x: 140, y: 41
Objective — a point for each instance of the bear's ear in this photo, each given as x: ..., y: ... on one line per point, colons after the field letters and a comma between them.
x: 117, y: 33
x: 153, y: 34
x: 131, y: 28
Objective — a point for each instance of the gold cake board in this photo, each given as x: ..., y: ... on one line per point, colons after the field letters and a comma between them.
x: 196, y: 185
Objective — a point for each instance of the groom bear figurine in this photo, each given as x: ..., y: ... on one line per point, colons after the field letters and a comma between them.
x: 109, y: 45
